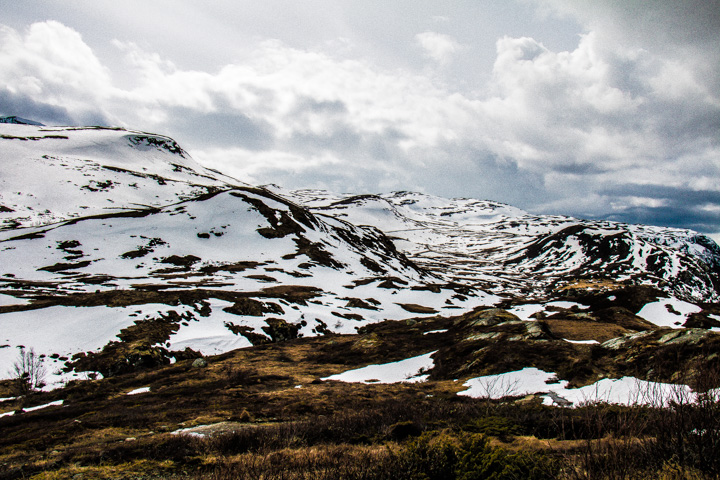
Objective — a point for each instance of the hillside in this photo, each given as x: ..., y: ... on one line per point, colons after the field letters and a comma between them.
x: 158, y: 296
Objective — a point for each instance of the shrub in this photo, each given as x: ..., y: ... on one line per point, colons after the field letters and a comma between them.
x: 28, y: 371
x: 478, y: 460
x: 494, y: 426
x: 429, y: 457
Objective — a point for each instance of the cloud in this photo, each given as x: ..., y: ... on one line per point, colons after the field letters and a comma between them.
x: 613, y: 130
x: 51, y: 75
x: 438, y: 46
x: 51, y: 61
x: 17, y: 104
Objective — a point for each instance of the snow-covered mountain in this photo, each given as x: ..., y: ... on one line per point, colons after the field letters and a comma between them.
x: 114, y: 237
x: 51, y: 174
x: 502, y: 249
x: 105, y: 227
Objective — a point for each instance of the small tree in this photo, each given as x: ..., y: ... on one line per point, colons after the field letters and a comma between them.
x: 29, y: 371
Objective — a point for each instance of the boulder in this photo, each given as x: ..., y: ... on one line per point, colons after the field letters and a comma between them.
x: 199, y: 363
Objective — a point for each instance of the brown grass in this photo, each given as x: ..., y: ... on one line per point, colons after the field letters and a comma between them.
x: 584, y: 330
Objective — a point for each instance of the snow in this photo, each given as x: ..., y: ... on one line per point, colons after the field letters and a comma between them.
x: 190, y: 431
x: 581, y: 342
x: 430, y: 332
x: 659, y: 314
x: 10, y: 300
x: 563, y: 304
x: 625, y: 391
x: 526, y: 311
x: 56, y: 403
x: 138, y: 391
x: 89, y: 170
x: 520, y: 382
x: 64, y: 331
x: 210, y: 335
x: 409, y: 370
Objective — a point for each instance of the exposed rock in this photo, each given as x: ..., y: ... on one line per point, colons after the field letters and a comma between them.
x: 535, y: 330
x: 280, y: 330
x: 489, y: 317
x: 483, y: 336
x: 620, y: 342
x: 690, y: 336
x: 199, y: 363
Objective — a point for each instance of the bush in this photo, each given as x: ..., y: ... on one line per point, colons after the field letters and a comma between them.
x: 430, y: 457
x: 478, y: 460
x: 28, y: 371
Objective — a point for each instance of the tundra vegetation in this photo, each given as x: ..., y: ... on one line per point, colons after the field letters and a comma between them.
x: 266, y: 412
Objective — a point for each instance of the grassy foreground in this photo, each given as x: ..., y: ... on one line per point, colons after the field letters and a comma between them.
x: 264, y: 412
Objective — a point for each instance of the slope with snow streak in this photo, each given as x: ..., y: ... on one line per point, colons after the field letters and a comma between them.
x: 409, y: 370
x: 50, y: 174
x: 505, y: 250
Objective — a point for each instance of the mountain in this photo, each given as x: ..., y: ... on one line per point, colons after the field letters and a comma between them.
x: 127, y: 226
x: 504, y: 250
x: 119, y: 252
x: 20, y: 121
x: 159, y: 319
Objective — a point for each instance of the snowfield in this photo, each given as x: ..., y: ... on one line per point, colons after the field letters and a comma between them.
x: 624, y: 391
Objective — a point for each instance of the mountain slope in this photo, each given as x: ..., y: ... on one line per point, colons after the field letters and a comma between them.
x: 50, y: 174
x: 139, y: 242
x: 502, y: 249
x: 121, y: 252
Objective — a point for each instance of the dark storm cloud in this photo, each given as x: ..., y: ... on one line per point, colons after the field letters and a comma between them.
x: 12, y: 104
x: 683, y: 208
x: 670, y: 216
x: 679, y: 196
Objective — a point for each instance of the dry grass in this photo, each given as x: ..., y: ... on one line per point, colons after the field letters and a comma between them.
x: 584, y: 330
x: 260, y: 418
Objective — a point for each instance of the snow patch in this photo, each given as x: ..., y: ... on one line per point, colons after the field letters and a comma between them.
x: 10, y: 300
x: 525, y: 312
x: 668, y: 312
x: 624, y: 391
x: 410, y: 370
x: 32, y: 409
x: 434, y: 331
x: 138, y: 391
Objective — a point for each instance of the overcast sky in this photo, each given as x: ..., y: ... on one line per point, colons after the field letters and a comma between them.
x: 597, y: 109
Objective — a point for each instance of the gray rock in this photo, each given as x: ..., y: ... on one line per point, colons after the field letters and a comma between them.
x: 534, y: 330
x: 690, y: 336
x: 200, y: 363
x: 619, y: 342
x: 491, y: 317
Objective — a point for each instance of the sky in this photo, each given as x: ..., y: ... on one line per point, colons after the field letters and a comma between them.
x: 597, y: 109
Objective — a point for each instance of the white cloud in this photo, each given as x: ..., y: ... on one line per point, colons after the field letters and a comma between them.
x: 574, y: 131
x: 51, y: 61
x: 438, y: 46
